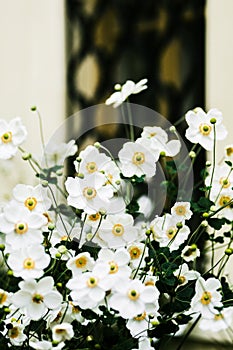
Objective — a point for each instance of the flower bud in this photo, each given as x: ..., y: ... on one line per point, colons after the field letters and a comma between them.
x: 44, y: 183
x: 2, y: 247
x: 205, y: 215
x: 208, y: 163
x: 58, y: 255
x: 97, y: 145
x: 62, y: 249
x: 213, y: 120
x: 89, y: 338
x: 51, y: 226
x: 10, y: 273
x: 204, y: 223
x: 80, y: 175
x: 117, y: 87
x: 179, y: 225
x: 59, y: 284
x: 59, y: 172
x: 162, y: 154
x: 192, y: 154
x: 172, y: 128
x: 26, y: 156
x: 33, y: 108
x: 229, y: 251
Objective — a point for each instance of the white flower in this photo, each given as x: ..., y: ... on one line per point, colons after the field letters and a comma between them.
x: 14, y: 331
x: 29, y: 261
x: 207, y: 297
x: 63, y: 331
x: 91, y: 161
x: 129, y: 88
x: 44, y: 344
x: 21, y: 226
x: 12, y: 135
x: 222, y: 181
x: 221, y: 201
x: 184, y: 274
x: 190, y: 253
x: 201, y: 127
x: 131, y: 297
x: 80, y: 263
x: 181, y: 211
x: 36, y: 298
x: 55, y: 154
x: 218, y: 321
x: 159, y: 141
x: 34, y: 199
x: 136, y: 159
x: 88, y: 289
x: 89, y: 193
x: 139, y: 325
x: 165, y: 231
x: 136, y: 250
x: 118, y: 230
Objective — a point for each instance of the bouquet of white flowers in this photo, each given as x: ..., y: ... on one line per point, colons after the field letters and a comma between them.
x: 108, y: 258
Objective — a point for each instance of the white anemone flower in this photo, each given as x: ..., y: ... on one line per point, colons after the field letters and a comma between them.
x: 29, y: 261
x: 219, y: 321
x: 12, y: 135
x: 137, y: 159
x: 91, y: 161
x: 181, y: 211
x: 129, y: 88
x: 131, y: 297
x: 140, y: 324
x: 89, y: 288
x: 89, y: 193
x: 14, y: 331
x: 138, y: 252
x: 207, y: 297
x: 21, y: 226
x: 118, y: 230
x: 63, y: 331
x: 184, y: 274
x: 80, y: 263
x: 159, y: 140
x: 165, y: 231
x: 201, y: 127
x: 222, y: 181
x: 55, y: 154
x: 190, y: 253
x: 36, y: 298
x: 34, y: 199
x: 44, y: 344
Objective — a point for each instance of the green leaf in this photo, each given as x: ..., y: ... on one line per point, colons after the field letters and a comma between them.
x: 217, y: 223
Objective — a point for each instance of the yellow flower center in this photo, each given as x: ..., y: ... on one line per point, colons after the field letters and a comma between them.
x: 135, y: 252
x: 180, y: 210
x: 149, y: 283
x: 218, y: 317
x: 64, y: 238
x: 133, y: 294
x: 21, y: 227
x: 29, y: 264
x: 140, y: 317
x: 138, y: 158
x: 92, y: 282
x: 89, y: 192
x: 81, y: 262
x: 205, y: 129
x: 94, y: 217
x: 3, y: 297
x: 91, y: 167
x: 152, y: 134
x: 171, y: 232
x: 118, y: 230
x: 75, y: 308
x: 37, y: 298
x: 224, y: 200
x: 181, y: 279
x: 206, y: 298
x: 109, y: 181
x: 113, y: 267
x: 225, y: 183
x: 30, y: 203
x: 13, y: 332
x: 6, y: 137
x: 229, y: 151
x: 60, y: 330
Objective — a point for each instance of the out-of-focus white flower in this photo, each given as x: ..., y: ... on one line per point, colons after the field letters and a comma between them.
x: 21, y: 226
x: 29, y: 261
x: 218, y: 321
x: 207, y: 297
x: 166, y: 232
x: 118, y: 230
x: 190, y: 253
x: 63, y: 331
x: 80, y: 263
x: 44, y: 344
x: 55, y: 154
x: 34, y: 199
x: 89, y: 193
x: 158, y: 139
x: 36, y: 298
x: 129, y: 88
x: 201, y: 127
x: 88, y: 289
x: 14, y: 331
x: 181, y: 211
x: 131, y: 297
x: 12, y: 135
x: 137, y: 159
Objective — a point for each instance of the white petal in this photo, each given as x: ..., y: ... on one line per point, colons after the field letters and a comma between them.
x: 52, y: 299
x: 36, y: 311
x: 45, y: 285
x: 21, y: 298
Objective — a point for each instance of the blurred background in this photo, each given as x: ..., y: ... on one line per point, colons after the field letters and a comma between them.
x: 63, y: 56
